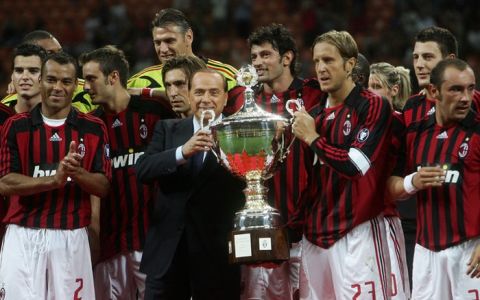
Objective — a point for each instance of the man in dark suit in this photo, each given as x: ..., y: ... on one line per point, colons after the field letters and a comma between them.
x: 186, y: 252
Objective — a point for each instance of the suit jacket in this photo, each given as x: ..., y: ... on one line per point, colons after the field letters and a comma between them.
x: 200, y: 206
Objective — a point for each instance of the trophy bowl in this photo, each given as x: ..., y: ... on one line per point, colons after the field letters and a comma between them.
x: 250, y: 144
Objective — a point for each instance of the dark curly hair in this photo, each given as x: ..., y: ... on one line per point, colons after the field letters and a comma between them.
x: 280, y: 38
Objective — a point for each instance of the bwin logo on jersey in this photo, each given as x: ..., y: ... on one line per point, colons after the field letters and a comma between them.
x: 43, y: 172
x: 126, y: 160
x: 451, y: 176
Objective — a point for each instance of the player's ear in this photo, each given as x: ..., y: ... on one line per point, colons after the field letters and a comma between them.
x: 395, y: 89
x: 189, y: 37
x: 350, y: 64
x: 287, y: 58
x: 432, y: 90
x: 113, y: 77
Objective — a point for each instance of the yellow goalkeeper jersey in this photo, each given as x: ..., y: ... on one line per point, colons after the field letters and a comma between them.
x: 151, y: 77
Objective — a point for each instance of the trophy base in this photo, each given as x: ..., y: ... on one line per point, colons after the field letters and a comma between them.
x: 258, y: 245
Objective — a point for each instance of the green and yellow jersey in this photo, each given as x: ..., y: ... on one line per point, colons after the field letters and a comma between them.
x: 151, y: 77
x: 81, y: 99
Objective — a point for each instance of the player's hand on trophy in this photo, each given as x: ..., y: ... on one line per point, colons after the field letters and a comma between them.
x: 428, y: 177
x: 200, y: 141
x: 304, y: 126
x: 474, y: 263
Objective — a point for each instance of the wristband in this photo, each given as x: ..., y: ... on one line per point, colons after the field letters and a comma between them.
x: 408, y: 184
x: 147, y: 92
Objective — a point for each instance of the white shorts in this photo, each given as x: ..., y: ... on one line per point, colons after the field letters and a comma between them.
x: 443, y: 274
x: 38, y: 263
x: 278, y: 283
x: 120, y: 278
x: 355, y: 267
x: 398, y: 260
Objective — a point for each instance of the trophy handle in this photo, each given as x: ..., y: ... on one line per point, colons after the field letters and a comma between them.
x: 210, y: 121
x: 298, y: 104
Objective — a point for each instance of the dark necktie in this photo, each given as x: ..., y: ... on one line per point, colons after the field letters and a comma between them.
x: 197, y: 162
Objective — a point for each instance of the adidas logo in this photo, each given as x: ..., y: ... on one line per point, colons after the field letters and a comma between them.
x: 431, y: 111
x: 55, y: 138
x: 442, y: 135
x: 117, y: 123
x: 331, y: 116
x: 274, y: 99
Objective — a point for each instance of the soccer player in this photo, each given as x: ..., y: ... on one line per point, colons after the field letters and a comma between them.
x: 125, y: 213
x: 390, y: 82
x: 393, y: 83
x: 344, y: 250
x: 172, y: 36
x: 176, y: 74
x: 27, y: 66
x: 432, y: 44
x: 274, y: 55
x: 443, y: 163
x: 50, y: 44
x: 5, y: 113
x: 361, y: 71
x: 53, y: 159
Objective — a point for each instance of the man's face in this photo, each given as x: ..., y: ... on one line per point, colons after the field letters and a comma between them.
x: 96, y: 84
x: 50, y: 45
x: 58, y: 85
x: 267, y: 62
x: 332, y: 70
x: 176, y: 88
x: 170, y: 42
x: 376, y: 85
x: 455, y: 95
x: 207, y: 92
x: 425, y: 57
x: 26, y: 75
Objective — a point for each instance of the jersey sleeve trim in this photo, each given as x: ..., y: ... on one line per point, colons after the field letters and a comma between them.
x: 359, y: 159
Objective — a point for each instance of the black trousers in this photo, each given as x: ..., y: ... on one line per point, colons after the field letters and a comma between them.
x: 409, y: 231
x: 197, y: 275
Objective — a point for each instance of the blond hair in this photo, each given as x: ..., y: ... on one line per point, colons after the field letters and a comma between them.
x: 389, y: 76
x: 342, y: 40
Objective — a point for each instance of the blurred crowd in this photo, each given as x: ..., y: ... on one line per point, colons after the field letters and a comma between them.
x: 383, y: 29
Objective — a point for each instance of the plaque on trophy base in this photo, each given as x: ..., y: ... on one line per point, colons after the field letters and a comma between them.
x: 258, y: 245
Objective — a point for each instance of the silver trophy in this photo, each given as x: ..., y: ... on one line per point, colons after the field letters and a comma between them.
x: 250, y: 144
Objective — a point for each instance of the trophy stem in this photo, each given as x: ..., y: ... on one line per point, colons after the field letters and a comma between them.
x: 255, y: 195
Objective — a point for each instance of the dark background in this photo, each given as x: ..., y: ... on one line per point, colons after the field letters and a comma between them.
x: 383, y: 29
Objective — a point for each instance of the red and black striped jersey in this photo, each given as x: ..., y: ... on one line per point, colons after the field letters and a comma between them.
x: 419, y: 106
x: 450, y: 214
x: 308, y: 90
x: 32, y: 148
x: 347, y: 182
x: 5, y: 113
x: 125, y: 213
x: 290, y: 180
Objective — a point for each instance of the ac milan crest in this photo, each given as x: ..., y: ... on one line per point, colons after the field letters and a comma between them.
x: 463, y: 151
x: 143, y: 131
x: 81, y: 149
x: 347, y: 127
